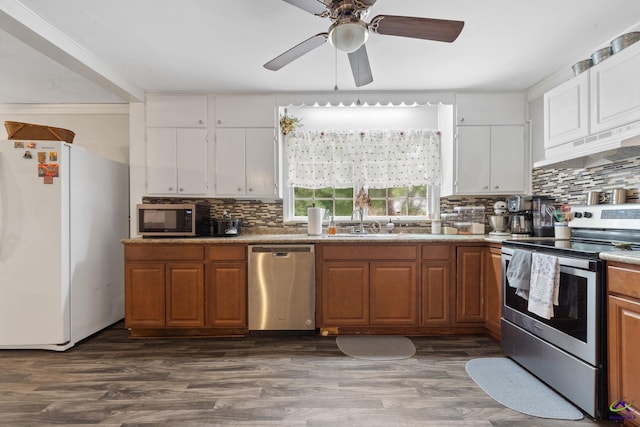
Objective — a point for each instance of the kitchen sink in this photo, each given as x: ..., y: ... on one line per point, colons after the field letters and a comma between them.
x: 366, y: 236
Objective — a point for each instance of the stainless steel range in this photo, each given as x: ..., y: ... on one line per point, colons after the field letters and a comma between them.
x: 568, y: 350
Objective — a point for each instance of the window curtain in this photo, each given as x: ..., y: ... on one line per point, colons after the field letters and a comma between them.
x: 371, y: 159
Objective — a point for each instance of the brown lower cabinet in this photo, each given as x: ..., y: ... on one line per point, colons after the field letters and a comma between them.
x: 469, y: 285
x: 185, y: 289
x: 437, y: 285
x: 492, y: 278
x: 623, y: 282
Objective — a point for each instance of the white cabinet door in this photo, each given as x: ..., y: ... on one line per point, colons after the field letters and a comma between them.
x: 176, y: 161
x: 490, y: 160
x: 191, y: 161
x: 473, y: 164
x: 566, y: 111
x: 490, y: 109
x: 245, y: 111
x: 162, y: 174
x: 615, y: 90
x: 230, y: 162
x: 177, y: 111
x: 508, y: 159
x: 245, y: 162
x: 261, y: 162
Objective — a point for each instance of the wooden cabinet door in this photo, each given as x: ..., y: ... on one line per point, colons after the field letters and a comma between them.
x: 435, y: 294
x: 226, y: 294
x: 393, y: 294
x: 492, y: 276
x: 185, y: 294
x: 345, y: 294
x: 144, y: 294
x: 469, y: 292
x: 624, y: 347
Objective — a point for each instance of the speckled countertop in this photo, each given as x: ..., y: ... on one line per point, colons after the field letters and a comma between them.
x: 630, y: 257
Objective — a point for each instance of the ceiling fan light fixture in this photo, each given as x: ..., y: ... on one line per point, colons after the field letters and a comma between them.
x: 348, y: 36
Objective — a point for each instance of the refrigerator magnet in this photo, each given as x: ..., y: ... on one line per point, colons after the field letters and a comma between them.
x: 42, y: 157
x: 53, y: 156
x: 32, y: 146
x: 18, y: 144
x: 27, y: 155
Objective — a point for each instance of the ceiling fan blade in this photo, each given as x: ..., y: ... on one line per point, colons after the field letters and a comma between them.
x: 297, y: 51
x: 360, y: 67
x: 420, y: 28
x: 315, y: 7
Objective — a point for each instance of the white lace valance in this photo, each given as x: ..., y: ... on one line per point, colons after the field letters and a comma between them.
x: 373, y: 159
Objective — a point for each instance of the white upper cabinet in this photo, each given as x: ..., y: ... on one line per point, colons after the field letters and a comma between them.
x: 245, y: 111
x: 566, y: 111
x: 246, y: 162
x: 176, y: 161
x: 615, y: 90
x: 180, y: 111
x: 490, y: 160
x: 489, y: 109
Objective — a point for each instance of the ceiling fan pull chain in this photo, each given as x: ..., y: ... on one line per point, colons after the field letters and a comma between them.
x: 335, y: 50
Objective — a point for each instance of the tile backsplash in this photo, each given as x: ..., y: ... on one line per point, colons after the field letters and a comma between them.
x: 564, y: 185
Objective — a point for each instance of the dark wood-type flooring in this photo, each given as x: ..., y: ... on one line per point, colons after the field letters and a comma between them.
x: 112, y: 380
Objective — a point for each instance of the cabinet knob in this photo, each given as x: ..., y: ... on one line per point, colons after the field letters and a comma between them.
x: 496, y: 187
x: 462, y: 119
x: 219, y: 122
x: 486, y: 187
x: 200, y: 122
x: 239, y: 189
x: 181, y: 189
x: 170, y: 188
x: 251, y: 189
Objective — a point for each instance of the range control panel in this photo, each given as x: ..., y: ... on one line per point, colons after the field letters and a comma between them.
x: 626, y: 216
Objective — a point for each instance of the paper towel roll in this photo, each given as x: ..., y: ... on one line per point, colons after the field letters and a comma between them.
x: 315, y: 221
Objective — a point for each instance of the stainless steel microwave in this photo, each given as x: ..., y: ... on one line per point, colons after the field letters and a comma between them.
x: 174, y: 219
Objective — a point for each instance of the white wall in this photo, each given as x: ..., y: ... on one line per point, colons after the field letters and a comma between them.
x: 102, y: 129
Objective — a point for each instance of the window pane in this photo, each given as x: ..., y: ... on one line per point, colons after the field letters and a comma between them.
x: 326, y: 204
x: 417, y: 206
x: 378, y: 192
x: 301, y: 193
x: 324, y: 193
x: 378, y: 208
x: 344, y: 193
x: 418, y: 191
x: 398, y: 192
x: 397, y: 206
x: 301, y: 207
x: 344, y: 207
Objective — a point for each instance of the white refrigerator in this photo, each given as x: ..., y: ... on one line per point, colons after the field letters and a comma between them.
x: 63, y: 213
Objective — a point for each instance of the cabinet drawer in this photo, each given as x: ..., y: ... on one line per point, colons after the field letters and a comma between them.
x: 441, y: 252
x: 175, y: 252
x: 624, y: 279
x: 368, y: 252
x: 227, y: 253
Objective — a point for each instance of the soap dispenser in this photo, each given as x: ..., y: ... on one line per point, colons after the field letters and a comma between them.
x: 390, y: 226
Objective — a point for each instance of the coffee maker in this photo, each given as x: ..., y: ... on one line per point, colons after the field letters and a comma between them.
x: 542, y: 219
x: 520, y: 208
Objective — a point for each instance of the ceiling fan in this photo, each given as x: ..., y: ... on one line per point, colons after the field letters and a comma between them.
x: 348, y: 32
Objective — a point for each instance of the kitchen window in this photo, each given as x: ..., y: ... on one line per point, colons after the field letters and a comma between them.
x: 329, y: 168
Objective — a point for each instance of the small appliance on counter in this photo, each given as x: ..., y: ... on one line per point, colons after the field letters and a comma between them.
x: 501, y: 220
x: 174, y: 219
x: 521, y: 215
x: 226, y: 226
x: 542, y: 208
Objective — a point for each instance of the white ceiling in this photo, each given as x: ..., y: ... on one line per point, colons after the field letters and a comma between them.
x: 118, y: 49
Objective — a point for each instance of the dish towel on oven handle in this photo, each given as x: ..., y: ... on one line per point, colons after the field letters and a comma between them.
x: 519, y: 272
x: 545, y: 281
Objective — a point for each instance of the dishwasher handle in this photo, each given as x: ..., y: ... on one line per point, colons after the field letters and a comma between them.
x: 280, y: 250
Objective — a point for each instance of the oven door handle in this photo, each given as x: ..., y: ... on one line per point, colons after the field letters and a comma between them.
x: 583, y: 264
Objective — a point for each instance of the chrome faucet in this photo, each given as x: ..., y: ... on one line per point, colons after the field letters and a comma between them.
x: 361, y: 230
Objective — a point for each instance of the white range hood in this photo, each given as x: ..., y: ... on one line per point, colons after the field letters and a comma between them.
x: 595, y: 150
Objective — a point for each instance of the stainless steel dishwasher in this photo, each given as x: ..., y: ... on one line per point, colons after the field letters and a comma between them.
x: 281, y: 287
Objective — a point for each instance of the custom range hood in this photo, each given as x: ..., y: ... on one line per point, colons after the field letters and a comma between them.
x: 595, y: 150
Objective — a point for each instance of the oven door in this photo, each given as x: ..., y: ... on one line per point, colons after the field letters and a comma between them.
x: 575, y: 327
